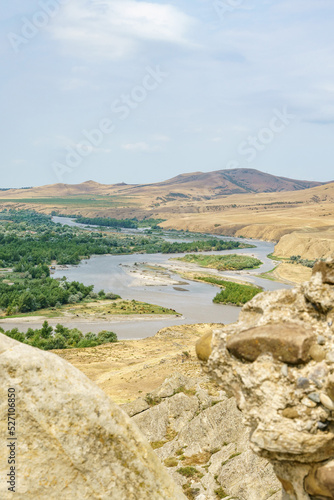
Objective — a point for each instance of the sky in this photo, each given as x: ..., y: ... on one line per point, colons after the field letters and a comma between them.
x: 141, y: 91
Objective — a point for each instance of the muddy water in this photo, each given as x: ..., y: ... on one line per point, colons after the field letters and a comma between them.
x: 194, y: 302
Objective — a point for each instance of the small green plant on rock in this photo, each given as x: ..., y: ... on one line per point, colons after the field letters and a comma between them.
x: 190, y: 492
x: 152, y: 400
x: 171, y: 462
x: 157, y: 444
x: 220, y: 493
x: 189, y: 472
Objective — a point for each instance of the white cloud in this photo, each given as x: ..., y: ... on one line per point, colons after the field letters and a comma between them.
x: 115, y: 29
x: 161, y: 138
x: 139, y: 147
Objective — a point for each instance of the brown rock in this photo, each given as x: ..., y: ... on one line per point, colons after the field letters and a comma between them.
x: 317, y: 353
x: 288, y: 487
x: 325, y: 477
x: 330, y: 387
x: 203, y: 347
x: 290, y: 413
x: 321, y: 481
x: 287, y: 342
x: 327, y: 271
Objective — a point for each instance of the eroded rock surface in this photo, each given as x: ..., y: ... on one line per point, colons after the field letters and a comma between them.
x: 73, y: 442
x: 198, y: 433
x: 278, y: 361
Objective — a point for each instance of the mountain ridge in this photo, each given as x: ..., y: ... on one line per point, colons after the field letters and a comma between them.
x: 213, y: 184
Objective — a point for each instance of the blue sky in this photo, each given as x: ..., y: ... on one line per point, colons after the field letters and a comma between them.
x: 140, y: 91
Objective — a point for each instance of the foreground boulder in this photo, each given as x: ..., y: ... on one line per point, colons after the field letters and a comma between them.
x: 72, y: 441
x: 278, y: 361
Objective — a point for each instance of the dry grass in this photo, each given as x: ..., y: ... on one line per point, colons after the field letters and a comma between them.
x: 267, y: 216
x: 292, y: 273
x: 131, y: 368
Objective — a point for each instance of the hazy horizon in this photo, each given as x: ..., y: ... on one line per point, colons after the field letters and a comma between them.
x: 141, y: 91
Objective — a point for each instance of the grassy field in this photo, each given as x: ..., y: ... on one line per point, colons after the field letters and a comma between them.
x: 98, y: 308
x: 223, y: 262
x: 78, y: 201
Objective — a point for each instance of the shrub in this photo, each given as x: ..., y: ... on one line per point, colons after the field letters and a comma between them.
x: 187, y: 471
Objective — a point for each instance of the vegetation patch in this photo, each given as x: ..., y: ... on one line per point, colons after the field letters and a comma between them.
x: 232, y: 262
x: 188, y: 392
x: 189, y: 472
x: 33, y: 289
x: 296, y: 259
x: 152, y: 400
x: 220, y: 493
x: 231, y: 456
x: 198, y: 459
x: 119, y: 307
x: 232, y: 293
x: 190, y: 492
x: 47, y: 338
x: 120, y: 223
x: 171, y: 462
x: 157, y: 444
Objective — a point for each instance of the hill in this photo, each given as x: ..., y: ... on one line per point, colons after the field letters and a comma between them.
x: 227, y: 182
x: 198, y: 184
x: 239, y: 202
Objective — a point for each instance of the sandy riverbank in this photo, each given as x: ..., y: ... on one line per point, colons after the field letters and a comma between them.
x: 173, y: 273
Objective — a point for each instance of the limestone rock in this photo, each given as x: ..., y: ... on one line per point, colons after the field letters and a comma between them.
x: 288, y: 342
x: 135, y: 407
x: 73, y: 442
x: 202, y: 432
x: 327, y: 271
x: 283, y: 380
x: 172, y: 384
x: 171, y: 414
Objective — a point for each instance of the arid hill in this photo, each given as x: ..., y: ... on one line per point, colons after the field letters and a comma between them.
x: 197, y: 184
x: 239, y: 202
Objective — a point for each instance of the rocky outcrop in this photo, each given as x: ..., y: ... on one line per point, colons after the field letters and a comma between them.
x: 199, y: 435
x: 278, y: 361
x: 72, y: 441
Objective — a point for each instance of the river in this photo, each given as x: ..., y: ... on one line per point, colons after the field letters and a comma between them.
x: 110, y: 272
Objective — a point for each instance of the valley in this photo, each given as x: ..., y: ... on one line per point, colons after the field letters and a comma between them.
x: 240, y: 202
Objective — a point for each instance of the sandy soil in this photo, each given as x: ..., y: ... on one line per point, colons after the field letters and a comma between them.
x: 310, y: 245
x: 292, y: 273
x: 146, y: 275
x: 127, y: 369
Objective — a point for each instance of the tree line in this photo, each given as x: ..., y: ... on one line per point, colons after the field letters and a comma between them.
x: 61, y: 337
